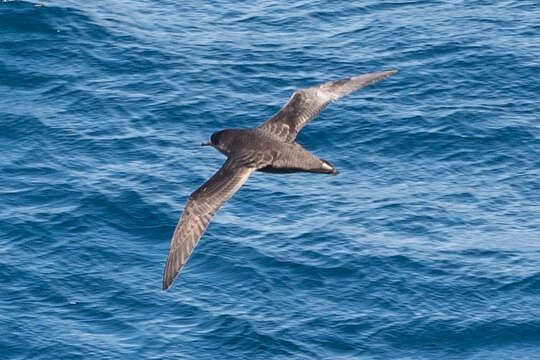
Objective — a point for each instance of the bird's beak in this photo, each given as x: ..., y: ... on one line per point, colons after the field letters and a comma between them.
x: 206, y: 143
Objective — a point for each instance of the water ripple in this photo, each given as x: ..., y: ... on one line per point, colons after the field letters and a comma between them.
x: 426, y: 245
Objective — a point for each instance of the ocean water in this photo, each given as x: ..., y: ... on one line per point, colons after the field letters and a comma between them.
x: 426, y: 246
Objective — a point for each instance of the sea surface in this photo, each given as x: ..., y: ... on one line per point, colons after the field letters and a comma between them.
x: 426, y: 246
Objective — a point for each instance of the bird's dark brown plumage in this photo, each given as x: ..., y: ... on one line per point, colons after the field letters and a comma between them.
x: 268, y: 148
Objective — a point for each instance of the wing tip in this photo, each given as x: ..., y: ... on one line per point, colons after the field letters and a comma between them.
x: 385, y: 73
x: 391, y: 72
x: 370, y: 78
x: 169, y: 273
x: 168, y: 279
x: 379, y: 74
x: 167, y: 282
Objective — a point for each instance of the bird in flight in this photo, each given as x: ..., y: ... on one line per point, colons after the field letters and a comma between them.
x: 269, y: 147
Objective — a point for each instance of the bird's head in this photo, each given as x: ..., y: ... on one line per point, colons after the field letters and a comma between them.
x: 221, y: 140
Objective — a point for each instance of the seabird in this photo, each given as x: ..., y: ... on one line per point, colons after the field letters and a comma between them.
x: 269, y: 147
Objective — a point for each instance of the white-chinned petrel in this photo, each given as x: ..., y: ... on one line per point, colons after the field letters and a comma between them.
x: 269, y: 147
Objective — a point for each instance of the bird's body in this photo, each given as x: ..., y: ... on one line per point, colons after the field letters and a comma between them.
x: 269, y: 147
x: 255, y: 148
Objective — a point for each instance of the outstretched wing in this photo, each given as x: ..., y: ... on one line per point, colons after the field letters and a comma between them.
x: 200, y: 208
x: 304, y: 105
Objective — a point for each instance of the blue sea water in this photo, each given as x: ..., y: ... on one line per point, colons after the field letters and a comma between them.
x: 426, y: 246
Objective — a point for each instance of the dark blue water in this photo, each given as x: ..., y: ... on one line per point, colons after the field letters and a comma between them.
x: 426, y: 246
